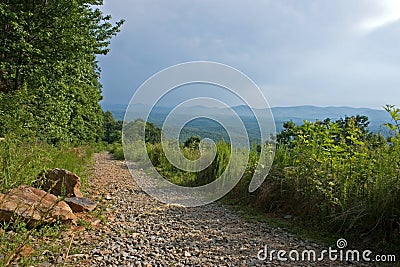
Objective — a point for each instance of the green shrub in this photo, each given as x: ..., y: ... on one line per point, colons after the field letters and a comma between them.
x: 336, y: 175
x: 116, y: 150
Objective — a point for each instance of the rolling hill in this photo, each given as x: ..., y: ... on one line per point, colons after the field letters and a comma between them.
x: 207, y: 128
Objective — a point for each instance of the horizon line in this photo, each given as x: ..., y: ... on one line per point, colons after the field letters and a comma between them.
x: 289, y: 106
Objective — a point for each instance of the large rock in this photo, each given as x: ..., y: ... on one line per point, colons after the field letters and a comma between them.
x: 33, y: 206
x: 59, y: 182
x: 79, y: 204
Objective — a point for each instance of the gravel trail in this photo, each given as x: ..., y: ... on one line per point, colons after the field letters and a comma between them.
x: 140, y: 231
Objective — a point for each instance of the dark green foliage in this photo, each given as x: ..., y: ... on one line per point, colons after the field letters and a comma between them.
x: 360, y: 122
x: 112, y: 129
x: 344, y: 129
x: 116, y: 150
x: 49, y: 75
x: 288, y: 132
x: 192, y: 142
x: 152, y: 134
x: 134, y: 131
x: 49, y: 94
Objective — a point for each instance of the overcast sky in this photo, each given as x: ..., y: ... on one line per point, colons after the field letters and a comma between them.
x: 311, y: 52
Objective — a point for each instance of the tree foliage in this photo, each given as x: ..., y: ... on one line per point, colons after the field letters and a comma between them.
x: 192, y: 142
x: 341, y: 168
x: 343, y: 130
x: 112, y: 128
x: 49, y: 76
x: 135, y: 130
x: 394, y: 113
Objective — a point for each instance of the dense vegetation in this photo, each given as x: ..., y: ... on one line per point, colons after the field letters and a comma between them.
x: 49, y: 85
x: 49, y: 102
x: 336, y: 174
x: 331, y: 175
x: 49, y: 76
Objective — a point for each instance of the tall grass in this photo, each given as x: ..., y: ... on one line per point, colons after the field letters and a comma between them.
x: 163, y: 165
x: 334, y: 176
x: 343, y: 182
x: 353, y: 185
x: 20, y: 163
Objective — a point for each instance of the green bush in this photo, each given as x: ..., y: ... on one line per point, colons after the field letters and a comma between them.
x: 117, y: 151
x: 339, y: 176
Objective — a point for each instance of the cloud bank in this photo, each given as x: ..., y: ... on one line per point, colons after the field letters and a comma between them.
x: 299, y: 52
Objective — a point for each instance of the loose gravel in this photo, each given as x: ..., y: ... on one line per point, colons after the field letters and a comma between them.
x: 140, y: 231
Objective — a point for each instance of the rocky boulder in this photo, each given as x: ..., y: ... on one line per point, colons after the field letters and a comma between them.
x: 59, y: 182
x: 33, y: 206
x: 79, y: 204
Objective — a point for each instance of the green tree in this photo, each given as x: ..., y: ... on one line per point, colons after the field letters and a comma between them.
x: 48, y: 55
x: 152, y: 133
x: 394, y: 113
x: 192, y: 142
x: 288, y: 132
x: 112, y: 128
x: 134, y: 130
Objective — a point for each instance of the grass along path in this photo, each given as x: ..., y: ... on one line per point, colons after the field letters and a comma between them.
x: 137, y: 230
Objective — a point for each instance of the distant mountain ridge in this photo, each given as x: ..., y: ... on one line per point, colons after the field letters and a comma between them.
x: 297, y: 114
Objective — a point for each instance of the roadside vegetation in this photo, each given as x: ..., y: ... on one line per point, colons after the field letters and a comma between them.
x: 335, y: 177
x: 49, y: 105
x: 20, y: 163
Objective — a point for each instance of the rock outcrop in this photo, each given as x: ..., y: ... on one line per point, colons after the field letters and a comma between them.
x: 33, y: 206
x: 59, y: 182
